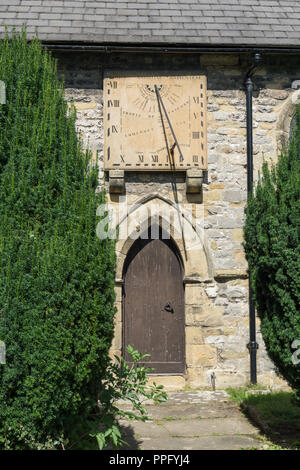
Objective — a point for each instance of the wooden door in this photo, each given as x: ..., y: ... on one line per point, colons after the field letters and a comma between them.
x: 153, y: 305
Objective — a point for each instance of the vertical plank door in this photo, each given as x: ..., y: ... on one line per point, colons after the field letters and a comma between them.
x: 153, y: 302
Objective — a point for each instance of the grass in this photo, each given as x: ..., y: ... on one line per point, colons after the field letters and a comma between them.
x: 275, y: 413
x: 158, y: 422
x: 240, y: 394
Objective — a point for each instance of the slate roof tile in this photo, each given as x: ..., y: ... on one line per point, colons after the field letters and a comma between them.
x: 211, y: 22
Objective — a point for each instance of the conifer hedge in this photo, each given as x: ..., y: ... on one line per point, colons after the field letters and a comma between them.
x: 56, y: 276
x: 272, y: 245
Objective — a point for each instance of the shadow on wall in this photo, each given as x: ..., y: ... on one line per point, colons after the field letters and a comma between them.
x: 224, y: 72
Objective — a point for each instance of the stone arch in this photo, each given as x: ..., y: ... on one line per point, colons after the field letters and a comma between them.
x: 196, y: 259
x: 284, y: 120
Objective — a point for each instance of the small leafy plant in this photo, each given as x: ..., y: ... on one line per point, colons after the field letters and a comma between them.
x: 124, y: 382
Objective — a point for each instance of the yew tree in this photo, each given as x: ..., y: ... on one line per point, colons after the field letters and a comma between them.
x: 272, y: 246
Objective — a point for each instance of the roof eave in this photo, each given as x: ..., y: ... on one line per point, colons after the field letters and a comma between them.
x: 169, y: 48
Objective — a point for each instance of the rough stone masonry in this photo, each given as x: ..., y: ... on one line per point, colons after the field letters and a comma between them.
x: 216, y: 301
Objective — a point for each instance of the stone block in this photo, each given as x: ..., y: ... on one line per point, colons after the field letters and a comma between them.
x: 230, y: 379
x: 229, y: 331
x: 211, y: 292
x: 266, y: 117
x: 118, y: 314
x: 230, y: 273
x: 219, y: 59
x: 229, y: 354
x: 235, y: 195
x: 194, y: 294
x: 212, y: 195
x: 238, y: 234
x: 119, y: 264
x: 118, y: 292
x: 221, y: 116
x: 212, y: 317
x: 116, y: 181
x: 217, y: 186
x: 240, y: 257
x: 236, y: 292
x: 193, y: 315
x: 194, y: 180
x: 193, y: 335
x: 82, y: 105
x: 113, y: 353
x: 213, y: 331
x: 278, y: 94
x: 197, y: 378
x: 170, y: 382
x: 117, y: 339
x: 196, y: 265
x: 202, y: 355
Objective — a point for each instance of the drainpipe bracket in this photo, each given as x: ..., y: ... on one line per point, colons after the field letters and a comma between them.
x: 252, y: 345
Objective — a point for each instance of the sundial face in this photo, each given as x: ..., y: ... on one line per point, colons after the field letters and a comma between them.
x: 144, y: 133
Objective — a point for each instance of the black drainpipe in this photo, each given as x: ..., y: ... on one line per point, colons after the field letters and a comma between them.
x: 252, y: 345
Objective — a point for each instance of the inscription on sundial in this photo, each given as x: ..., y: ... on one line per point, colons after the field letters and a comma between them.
x: 154, y: 122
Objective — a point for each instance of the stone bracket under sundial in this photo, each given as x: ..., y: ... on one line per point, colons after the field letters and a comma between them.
x: 194, y: 181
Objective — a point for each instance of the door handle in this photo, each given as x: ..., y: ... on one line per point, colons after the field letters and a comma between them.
x: 169, y: 307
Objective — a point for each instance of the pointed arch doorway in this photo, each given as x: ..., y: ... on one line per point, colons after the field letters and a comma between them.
x: 153, y: 303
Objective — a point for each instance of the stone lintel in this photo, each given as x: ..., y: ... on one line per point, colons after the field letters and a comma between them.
x: 194, y: 180
x: 196, y: 280
x: 230, y: 274
x: 116, y: 181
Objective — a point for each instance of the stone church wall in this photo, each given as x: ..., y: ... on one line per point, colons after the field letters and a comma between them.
x: 217, y: 300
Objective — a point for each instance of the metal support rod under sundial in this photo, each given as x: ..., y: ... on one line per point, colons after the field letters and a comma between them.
x: 171, y: 153
x: 169, y: 122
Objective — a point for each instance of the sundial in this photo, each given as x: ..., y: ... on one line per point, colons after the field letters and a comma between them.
x: 154, y: 122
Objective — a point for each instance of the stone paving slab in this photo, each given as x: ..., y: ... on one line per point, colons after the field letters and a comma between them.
x: 195, y: 396
x: 210, y: 426
x: 196, y: 410
x: 203, y: 443
x: 193, y: 427
x: 146, y: 430
x: 192, y: 420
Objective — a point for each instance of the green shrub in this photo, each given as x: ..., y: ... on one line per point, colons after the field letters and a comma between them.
x: 124, y: 382
x: 56, y: 276
x: 272, y: 245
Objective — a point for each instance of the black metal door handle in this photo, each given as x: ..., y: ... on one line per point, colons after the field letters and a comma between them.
x: 169, y: 307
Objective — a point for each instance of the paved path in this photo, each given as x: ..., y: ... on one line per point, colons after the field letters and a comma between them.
x: 199, y: 420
